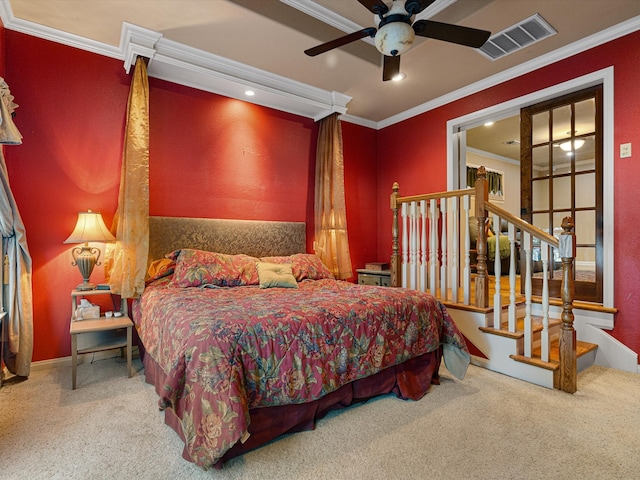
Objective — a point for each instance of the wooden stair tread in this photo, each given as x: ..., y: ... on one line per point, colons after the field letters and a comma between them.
x: 582, y: 348
x: 519, y: 333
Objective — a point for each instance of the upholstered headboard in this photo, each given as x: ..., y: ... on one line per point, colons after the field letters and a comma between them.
x: 251, y: 237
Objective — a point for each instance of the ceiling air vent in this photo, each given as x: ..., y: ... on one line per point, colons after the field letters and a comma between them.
x: 516, y: 37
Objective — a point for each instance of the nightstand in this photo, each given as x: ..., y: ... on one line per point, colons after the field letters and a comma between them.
x: 98, y: 334
x: 381, y: 278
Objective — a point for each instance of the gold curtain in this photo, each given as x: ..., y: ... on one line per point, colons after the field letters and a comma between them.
x: 126, y: 260
x: 16, y: 274
x: 331, y: 240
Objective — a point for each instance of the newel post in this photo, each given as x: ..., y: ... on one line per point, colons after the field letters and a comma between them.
x: 395, y: 255
x: 482, y: 281
x: 568, y: 342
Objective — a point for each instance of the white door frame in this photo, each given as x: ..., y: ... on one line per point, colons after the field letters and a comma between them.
x: 455, y: 152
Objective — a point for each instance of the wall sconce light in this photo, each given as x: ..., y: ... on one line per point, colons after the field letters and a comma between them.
x: 89, y: 228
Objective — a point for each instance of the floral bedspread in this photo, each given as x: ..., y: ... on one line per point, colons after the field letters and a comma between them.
x: 226, y: 350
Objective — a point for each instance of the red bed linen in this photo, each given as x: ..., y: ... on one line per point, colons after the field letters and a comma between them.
x: 225, y: 351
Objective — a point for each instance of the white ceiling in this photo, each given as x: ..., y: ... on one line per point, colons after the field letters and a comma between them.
x: 271, y: 35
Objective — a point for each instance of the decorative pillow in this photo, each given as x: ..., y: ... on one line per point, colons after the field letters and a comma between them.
x: 275, y: 275
x: 196, y: 268
x: 303, y: 265
x: 160, y: 268
x: 473, y: 229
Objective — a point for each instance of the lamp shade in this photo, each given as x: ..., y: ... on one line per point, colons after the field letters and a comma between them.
x: 90, y: 228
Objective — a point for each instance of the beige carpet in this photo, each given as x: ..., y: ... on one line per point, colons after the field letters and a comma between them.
x: 487, y: 426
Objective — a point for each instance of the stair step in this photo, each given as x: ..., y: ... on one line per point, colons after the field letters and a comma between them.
x: 582, y: 348
x: 519, y: 333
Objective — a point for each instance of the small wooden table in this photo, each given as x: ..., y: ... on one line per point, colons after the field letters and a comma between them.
x: 99, y: 334
x: 111, y: 339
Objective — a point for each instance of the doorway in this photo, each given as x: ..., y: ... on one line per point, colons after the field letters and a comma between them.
x: 460, y: 129
x: 561, y: 176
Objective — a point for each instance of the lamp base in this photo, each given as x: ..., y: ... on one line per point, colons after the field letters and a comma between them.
x: 86, y: 286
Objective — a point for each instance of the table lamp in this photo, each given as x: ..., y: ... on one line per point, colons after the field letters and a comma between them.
x: 89, y: 228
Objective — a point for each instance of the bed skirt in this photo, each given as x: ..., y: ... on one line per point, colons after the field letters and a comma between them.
x: 409, y: 381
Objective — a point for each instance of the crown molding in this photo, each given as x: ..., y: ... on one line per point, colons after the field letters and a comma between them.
x: 607, y: 35
x: 195, y: 68
x: 178, y: 63
x: 327, y: 16
x: 29, y: 28
x: 135, y: 41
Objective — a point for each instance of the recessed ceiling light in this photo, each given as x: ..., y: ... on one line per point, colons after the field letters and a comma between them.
x: 249, y: 93
x: 399, y: 76
x: 488, y: 124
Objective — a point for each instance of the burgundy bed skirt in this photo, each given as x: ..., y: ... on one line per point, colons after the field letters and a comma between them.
x: 410, y: 381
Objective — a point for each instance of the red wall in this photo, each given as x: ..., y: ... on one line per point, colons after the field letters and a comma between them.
x: 2, y: 57
x: 216, y: 157
x: 210, y: 156
x: 360, y: 171
x: 418, y: 163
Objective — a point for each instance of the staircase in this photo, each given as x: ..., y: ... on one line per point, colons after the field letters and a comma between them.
x: 508, y: 330
x: 503, y: 350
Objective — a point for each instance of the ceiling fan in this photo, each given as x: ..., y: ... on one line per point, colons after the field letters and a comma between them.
x: 395, y: 31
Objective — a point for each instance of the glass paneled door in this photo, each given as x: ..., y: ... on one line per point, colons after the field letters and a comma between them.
x: 561, y: 174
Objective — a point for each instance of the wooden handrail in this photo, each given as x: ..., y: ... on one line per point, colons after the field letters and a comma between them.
x: 566, y: 380
x: 434, y: 196
x: 522, y: 225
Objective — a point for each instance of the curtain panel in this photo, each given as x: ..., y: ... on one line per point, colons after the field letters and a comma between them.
x: 494, y: 179
x: 17, y: 300
x: 331, y: 239
x: 126, y: 260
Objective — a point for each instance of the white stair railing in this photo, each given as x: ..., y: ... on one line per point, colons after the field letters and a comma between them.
x: 435, y: 234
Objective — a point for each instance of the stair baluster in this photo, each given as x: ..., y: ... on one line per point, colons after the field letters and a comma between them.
x: 428, y: 224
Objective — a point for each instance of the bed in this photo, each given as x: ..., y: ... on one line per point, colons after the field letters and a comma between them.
x: 239, y: 353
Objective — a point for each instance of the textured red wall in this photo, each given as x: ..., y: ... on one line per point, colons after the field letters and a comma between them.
x: 210, y: 156
x: 217, y: 157
x: 2, y: 48
x: 71, y: 115
x: 414, y: 154
x: 214, y: 156
x: 360, y: 168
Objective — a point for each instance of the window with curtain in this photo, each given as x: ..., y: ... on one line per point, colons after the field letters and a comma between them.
x: 494, y: 179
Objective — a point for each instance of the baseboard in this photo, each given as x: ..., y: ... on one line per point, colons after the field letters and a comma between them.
x: 611, y: 353
x: 66, y: 361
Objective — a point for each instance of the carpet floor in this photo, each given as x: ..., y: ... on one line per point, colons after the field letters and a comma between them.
x: 487, y: 426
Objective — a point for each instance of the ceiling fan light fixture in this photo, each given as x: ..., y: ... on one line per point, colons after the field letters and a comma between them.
x: 394, y: 38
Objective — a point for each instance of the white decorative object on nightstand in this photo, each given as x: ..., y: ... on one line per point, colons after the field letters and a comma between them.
x: 98, y: 334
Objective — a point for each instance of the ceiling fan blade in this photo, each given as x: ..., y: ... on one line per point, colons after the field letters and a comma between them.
x: 390, y: 68
x: 416, y: 6
x: 469, y: 37
x: 378, y: 7
x: 338, y: 42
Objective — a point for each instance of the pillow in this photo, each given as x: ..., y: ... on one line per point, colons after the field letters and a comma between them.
x: 160, y: 268
x: 275, y: 275
x: 197, y: 268
x: 473, y: 229
x: 303, y: 265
